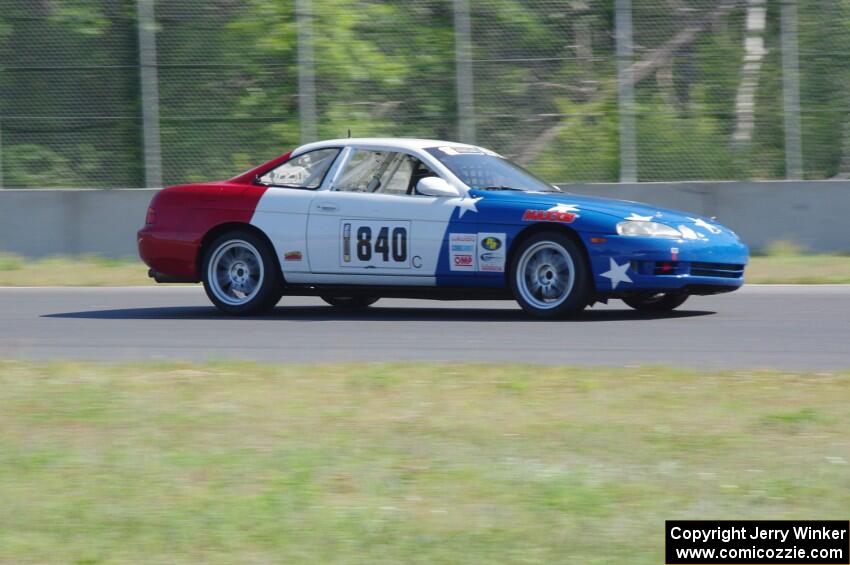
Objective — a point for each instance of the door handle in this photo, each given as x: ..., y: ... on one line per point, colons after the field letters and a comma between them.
x: 326, y: 206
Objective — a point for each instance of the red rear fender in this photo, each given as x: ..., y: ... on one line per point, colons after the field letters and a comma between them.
x: 185, y: 214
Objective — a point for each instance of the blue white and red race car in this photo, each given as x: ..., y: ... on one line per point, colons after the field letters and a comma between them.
x: 353, y: 220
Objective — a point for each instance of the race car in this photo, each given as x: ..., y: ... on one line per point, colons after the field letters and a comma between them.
x: 354, y: 220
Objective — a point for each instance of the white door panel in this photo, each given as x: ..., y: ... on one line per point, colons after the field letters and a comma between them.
x: 381, y: 234
x: 282, y: 215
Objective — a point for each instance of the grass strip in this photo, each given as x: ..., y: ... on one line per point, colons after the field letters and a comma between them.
x: 415, y: 463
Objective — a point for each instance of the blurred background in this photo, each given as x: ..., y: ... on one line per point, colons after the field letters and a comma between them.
x: 135, y: 93
x: 729, y: 108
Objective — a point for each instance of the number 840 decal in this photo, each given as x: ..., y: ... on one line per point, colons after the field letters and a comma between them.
x: 374, y: 244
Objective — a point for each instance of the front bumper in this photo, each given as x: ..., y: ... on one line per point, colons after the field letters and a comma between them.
x: 705, y: 266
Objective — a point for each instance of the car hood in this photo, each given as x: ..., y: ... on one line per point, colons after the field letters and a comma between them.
x: 596, y: 214
x: 619, y: 209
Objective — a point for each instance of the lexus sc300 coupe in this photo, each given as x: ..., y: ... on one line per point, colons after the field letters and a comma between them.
x: 354, y: 220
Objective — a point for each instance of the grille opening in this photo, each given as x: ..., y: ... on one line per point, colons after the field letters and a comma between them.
x: 724, y: 270
x: 666, y: 268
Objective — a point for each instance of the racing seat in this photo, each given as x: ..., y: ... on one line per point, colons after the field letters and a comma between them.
x: 419, y: 172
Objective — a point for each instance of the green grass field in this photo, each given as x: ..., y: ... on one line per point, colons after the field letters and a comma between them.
x: 242, y: 463
x: 71, y: 271
x: 775, y: 268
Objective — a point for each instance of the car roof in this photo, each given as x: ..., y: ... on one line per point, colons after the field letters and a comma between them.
x: 402, y: 143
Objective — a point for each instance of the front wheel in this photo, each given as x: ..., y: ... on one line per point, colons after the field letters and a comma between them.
x: 240, y: 274
x: 549, y: 276
x: 656, y: 301
x: 350, y: 302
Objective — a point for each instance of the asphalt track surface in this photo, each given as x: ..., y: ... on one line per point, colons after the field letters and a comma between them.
x: 794, y: 327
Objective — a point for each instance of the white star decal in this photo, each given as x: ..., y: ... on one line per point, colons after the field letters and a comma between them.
x: 617, y: 273
x: 564, y: 208
x: 688, y: 233
x: 636, y: 218
x: 465, y: 204
x: 705, y: 225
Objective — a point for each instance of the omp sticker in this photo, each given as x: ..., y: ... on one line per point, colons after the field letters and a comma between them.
x: 462, y: 251
x: 461, y: 261
x: 459, y: 150
x: 491, y: 252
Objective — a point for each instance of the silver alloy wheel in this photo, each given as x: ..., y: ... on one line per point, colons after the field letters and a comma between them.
x: 235, y: 272
x: 545, y: 275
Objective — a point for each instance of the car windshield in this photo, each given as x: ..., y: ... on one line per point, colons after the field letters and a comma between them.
x: 485, y: 171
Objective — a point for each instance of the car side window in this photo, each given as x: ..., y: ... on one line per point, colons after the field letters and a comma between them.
x: 305, y: 171
x: 381, y: 172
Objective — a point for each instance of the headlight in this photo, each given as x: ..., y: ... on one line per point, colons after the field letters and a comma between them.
x: 647, y: 229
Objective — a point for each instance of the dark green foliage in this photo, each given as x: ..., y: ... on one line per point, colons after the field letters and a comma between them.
x: 544, y: 82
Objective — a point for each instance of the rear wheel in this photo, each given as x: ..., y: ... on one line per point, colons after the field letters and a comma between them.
x: 240, y: 274
x: 656, y: 301
x: 549, y: 276
x: 351, y: 302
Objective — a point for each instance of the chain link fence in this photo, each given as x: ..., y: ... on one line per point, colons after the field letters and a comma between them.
x: 577, y: 90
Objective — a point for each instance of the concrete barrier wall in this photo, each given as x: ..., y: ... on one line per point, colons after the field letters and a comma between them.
x: 813, y: 214
x: 72, y: 222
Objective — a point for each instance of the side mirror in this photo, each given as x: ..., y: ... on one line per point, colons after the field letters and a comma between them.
x: 435, y: 186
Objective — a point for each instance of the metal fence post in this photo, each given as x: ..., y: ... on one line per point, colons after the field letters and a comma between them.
x: 150, y: 93
x: 625, y: 91
x: 463, y: 72
x: 791, y: 91
x: 306, y: 71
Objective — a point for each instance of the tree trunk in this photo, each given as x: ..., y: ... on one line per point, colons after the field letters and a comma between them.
x: 754, y: 52
x: 640, y: 70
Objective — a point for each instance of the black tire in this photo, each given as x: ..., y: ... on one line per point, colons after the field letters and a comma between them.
x: 555, y: 274
x: 351, y: 302
x: 242, y: 248
x: 656, y: 301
